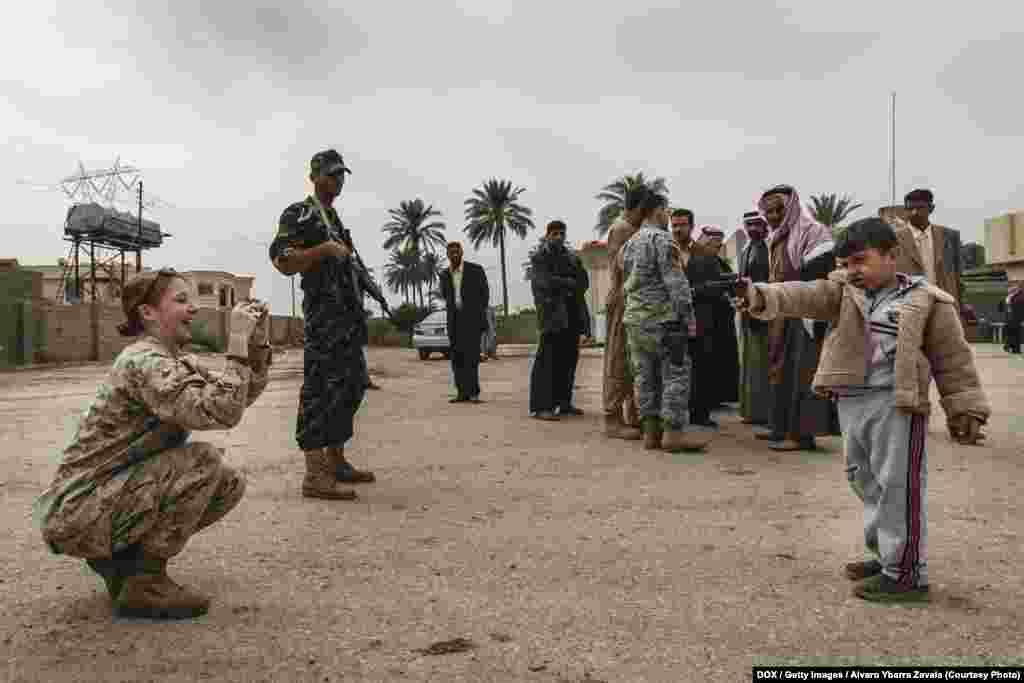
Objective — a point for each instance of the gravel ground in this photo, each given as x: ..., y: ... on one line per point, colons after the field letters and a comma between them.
x: 498, y: 548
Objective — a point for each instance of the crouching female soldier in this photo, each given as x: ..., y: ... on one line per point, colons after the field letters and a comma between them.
x: 130, y: 488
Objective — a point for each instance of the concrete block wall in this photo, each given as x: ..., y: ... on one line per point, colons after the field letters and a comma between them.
x: 64, y: 334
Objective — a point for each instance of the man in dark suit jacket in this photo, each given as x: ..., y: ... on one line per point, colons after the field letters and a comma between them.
x: 466, y: 296
x: 928, y: 249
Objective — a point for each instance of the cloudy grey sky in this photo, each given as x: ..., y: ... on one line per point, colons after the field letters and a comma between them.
x: 222, y: 104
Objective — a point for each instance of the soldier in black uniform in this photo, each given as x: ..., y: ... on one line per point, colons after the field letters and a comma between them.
x: 312, y: 240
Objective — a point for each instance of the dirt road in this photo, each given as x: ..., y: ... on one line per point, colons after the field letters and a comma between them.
x: 555, y: 554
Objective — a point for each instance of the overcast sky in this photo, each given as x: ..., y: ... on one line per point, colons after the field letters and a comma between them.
x: 222, y: 108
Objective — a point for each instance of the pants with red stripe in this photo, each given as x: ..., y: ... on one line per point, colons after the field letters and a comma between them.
x: 887, y: 469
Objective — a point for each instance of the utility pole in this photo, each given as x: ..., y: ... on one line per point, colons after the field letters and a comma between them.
x: 138, y: 241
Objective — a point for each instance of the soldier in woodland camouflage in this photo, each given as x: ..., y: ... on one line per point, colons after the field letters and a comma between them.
x: 312, y: 240
x: 131, y: 489
x: 658, y: 310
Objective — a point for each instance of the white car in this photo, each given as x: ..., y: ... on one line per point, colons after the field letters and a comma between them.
x: 431, y: 335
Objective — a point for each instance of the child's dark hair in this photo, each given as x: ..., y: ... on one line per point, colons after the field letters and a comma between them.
x: 866, y: 233
x: 679, y: 213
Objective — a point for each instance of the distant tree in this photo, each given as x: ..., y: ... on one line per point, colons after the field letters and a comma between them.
x: 491, y: 211
x: 614, y: 197
x: 430, y: 272
x: 402, y: 274
x: 829, y: 210
x: 410, y: 227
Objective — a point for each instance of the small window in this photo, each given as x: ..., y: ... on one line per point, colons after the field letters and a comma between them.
x: 223, y: 297
x: 232, y: 297
x: 205, y: 288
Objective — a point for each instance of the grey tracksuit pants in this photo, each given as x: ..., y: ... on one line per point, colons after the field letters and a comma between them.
x: 887, y: 469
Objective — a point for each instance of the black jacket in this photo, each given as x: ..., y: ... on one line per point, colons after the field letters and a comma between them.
x: 702, y: 268
x: 471, y: 319
x: 559, y: 283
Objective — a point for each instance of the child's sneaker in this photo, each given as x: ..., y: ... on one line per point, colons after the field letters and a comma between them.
x: 880, y: 588
x: 858, y: 571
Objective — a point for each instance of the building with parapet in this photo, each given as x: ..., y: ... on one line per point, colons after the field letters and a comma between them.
x: 1004, y: 243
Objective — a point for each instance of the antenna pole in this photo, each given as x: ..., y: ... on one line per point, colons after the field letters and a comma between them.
x: 892, y: 152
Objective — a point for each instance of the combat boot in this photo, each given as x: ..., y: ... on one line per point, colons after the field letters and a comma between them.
x: 344, y: 471
x: 689, y: 440
x: 320, y: 481
x: 114, y: 569
x: 653, y: 433
x: 615, y: 429
x: 150, y: 594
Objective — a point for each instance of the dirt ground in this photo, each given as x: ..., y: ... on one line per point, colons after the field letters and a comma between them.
x: 556, y: 554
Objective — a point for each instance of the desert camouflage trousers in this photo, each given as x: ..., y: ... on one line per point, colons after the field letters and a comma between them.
x: 158, y: 504
x: 617, y: 386
x: 662, y: 387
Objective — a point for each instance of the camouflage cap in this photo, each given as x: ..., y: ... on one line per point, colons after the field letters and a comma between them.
x: 328, y: 162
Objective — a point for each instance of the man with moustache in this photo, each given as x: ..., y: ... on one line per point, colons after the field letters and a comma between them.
x: 467, y: 296
x: 726, y: 349
x: 701, y: 267
x: 800, y: 249
x: 312, y: 240
x: 559, y: 283
x: 929, y: 249
x: 755, y: 391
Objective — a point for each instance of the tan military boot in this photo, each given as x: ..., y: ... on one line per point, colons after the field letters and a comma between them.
x: 653, y: 433
x: 632, y: 413
x: 614, y: 429
x: 150, y: 594
x: 320, y: 481
x: 676, y: 440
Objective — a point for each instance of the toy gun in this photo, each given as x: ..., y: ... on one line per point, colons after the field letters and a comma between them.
x: 733, y: 285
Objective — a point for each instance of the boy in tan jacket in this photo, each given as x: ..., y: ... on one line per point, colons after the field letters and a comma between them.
x: 890, y: 334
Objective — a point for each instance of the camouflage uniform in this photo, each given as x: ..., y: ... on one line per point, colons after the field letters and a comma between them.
x: 335, y: 371
x: 130, y: 477
x: 658, y: 303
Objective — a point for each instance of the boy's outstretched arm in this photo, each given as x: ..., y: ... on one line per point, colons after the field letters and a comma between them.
x: 818, y: 300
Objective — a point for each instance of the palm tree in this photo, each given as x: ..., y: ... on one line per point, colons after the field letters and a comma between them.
x: 410, y: 228
x: 830, y: 211
x: 402, y: 272
x: 614, y: 198
x: 490, y: 213
x: 430, y: 272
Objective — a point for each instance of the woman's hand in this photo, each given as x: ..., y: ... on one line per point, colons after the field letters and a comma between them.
x: 245, y: 317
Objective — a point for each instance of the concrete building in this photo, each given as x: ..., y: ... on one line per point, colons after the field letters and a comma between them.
x: 594, y: 255
x: 218, y: 289
x: 1004, y: 243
